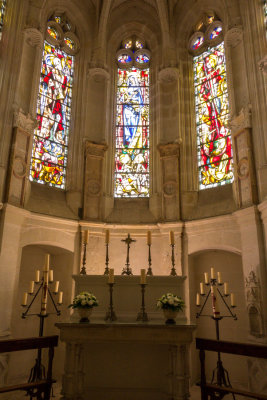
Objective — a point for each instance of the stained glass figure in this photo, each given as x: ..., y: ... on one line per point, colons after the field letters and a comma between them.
x: 124, y: 58
x: 69, y: 43
x: 138, y: 44
x: 212, y: 111
x: 142, y: 58
x: 216, y: 31
x: 198, y: 42
x: 50, y: 149
x: 2, y: 13
x: 128, y: 44
x: 52, y: 32
x: 132, y: 134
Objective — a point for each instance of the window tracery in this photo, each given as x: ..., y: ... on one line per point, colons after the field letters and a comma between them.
x: 51, y: 137
x: 132, y: 120
x: 2, y: 14
x: 211, y: 103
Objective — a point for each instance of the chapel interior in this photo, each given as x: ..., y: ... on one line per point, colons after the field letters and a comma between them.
x: 140, y: 117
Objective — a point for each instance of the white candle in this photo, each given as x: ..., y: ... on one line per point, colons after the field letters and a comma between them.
x: 60, y: 297
x: 206, y: 277
x: 46, y: 277
x: 219, y: 277
x: 24, y: 299
x: 111, y: 275
x: 232, y: 300
x: 171, y: 237
x: 86, y: 237
x: 201, y: 288
x: 225, y: 287
x: 107, y: 236
x: 51, y: 275
x: 31, y: 287
x: 37, y: 276
x: 47, y: 262
x: 198, y: 299
x: 143, y: 277
x: 149, y: 241
x: 56, y: 286
x: 212, y: 275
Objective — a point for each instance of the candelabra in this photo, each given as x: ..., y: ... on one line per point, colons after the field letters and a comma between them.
x: 127, y: 270
x: 85, y: 242
x: 110, y: 315
x: 38, y: 370
x: 220, y: 375
x: 142, y: 315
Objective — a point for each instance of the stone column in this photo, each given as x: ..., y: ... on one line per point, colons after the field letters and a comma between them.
x: 18, y: 180
x: 179, y: 372
x: 94, y: 158
x: 73, y: 378
x: 169, y: 155
x: 245, y: 183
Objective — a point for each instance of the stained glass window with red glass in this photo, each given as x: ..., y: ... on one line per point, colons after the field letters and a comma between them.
x: 212, y: 112
x: 2, y: 13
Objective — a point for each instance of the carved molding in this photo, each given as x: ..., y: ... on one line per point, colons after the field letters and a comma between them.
x: 234, y: 36
x: 95, y: 149
x: 242, y: 120
x: 169, y: 149
x: 24, y: 122
x: 263, y: 65
x: 169, y: 75
x: 98, y: 73
x: 33, y: 37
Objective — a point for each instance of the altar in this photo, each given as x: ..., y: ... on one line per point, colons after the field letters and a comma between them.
x: 126, y: 361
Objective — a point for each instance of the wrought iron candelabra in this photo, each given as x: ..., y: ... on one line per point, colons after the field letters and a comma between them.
x: 38, y: 370
x: 110, y: 315
x: 142, y: 315
x: 220, y: 375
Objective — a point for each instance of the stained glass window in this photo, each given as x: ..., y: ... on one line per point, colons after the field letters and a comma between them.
x: 265, y: 14
x: 2, y: 13
x: 212, y: 112
x: 50, y: 148
x: 132, y: 133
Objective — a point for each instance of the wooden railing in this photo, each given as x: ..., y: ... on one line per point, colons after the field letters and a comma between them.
x: 43, y: 386
x: 219, y: 346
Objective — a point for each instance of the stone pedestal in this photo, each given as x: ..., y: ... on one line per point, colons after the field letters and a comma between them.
x: 121, y: 361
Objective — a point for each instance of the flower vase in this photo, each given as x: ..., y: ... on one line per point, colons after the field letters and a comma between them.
x: 84, y: 313
x: 170, y: 316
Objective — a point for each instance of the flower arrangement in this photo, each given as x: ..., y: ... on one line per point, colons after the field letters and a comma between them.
x: 84, y: 300
x: 171, y: 301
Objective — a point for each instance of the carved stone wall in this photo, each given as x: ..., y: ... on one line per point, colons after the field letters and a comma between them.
x: 94, y: 157
x: 253, y: 298
x: 169, y: 155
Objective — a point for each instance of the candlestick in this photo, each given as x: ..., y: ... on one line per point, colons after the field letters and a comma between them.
x: 84, y: 244
x: 51, y: 275
x: 107, y: 257
x: 86, y: 237
x: 206, y: 278
x: 107, y: 236
x: 212, y: 273
x: 60, y: 297
x: 201, y: 288
x: 143, y: 276
x: 47, y: 262
x: 232, y: 300
x: 24, y: 299
x: 173, y: 270
x: 171, y: 238
x: 37, y: 276
x: 111, y: 315
x: 149, y: 239
x: 226, y: 293
x: 142, y: 315
x: 56, y: 287
x: 198, y: 300
x: 111, y: 275
x: 31, y: 287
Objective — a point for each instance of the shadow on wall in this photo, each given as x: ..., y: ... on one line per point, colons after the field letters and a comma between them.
x: 230, y: 266
x: 61, y: 261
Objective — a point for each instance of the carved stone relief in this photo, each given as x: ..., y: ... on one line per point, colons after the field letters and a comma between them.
x: 94, y: 157
x: 168, y: 75
x: 169, y: 155
x: 253, y: 298
x: 233, y: 36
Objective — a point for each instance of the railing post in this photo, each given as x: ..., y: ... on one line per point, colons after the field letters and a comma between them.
x: 204, y: 395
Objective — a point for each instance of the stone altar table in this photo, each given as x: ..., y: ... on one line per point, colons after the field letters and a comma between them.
x: 126, y: 361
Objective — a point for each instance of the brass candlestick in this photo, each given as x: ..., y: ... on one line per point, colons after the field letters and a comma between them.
x: 110, y: 315
x: 83, y: 269
x: 142, y: 315
x: 173, y: 270
x: 149, y: 270
x: 107, y: 261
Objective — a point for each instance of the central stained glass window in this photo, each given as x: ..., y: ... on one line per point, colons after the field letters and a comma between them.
x: 132, y: 123
x: 212, y: 112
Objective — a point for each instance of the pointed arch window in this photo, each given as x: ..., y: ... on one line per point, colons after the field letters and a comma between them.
x: 211, y: 104
x: 51, y: 137
x: 132, y: 120
x: 2, y: 14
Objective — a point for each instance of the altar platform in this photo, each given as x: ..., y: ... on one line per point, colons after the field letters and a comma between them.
x: 126, y: 361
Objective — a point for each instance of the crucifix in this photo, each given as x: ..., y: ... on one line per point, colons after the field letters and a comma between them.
x: 127, y: 270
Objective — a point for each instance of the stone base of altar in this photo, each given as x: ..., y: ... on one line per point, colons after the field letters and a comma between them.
x: 126, y: 361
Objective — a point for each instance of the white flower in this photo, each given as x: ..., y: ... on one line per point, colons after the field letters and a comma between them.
x: 170, y: 301
x: 83, y: 302
x: 90, y: 302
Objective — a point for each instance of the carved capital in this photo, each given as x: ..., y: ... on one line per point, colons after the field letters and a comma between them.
x: 95, y: 150
x: 98, y: 73
x: 233, y: 36
x: 33, y: 37
x: 263, y: 65
x: 242, y: 120
x: 24, y: 122
x: 169, y: 149
x: 169, y: 75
